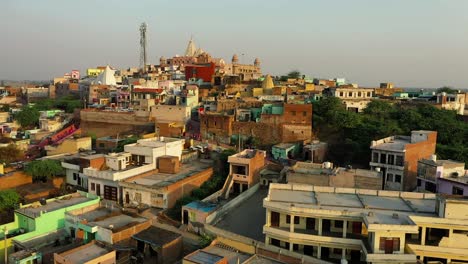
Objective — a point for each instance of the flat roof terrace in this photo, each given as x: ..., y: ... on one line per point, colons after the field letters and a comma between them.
x: 380, y: 207
x: 35, y: 210
x: 160, y: 180
x: 85, y: 253
x: 118, y: 222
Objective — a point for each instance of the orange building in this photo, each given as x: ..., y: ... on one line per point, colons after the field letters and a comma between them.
x: 397, y: 157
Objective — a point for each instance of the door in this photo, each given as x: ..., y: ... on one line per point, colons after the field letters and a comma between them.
x: 388, y: 246
x: 357, y: 227
x: 236, y: 187
x: 110, y: 193
x: 98, y: 189
x: 308, y: 250
x: 185, y: 217
x: 326, y: 223
x: 310, y: 223
x: 127, y: 198
x: 275, y: 219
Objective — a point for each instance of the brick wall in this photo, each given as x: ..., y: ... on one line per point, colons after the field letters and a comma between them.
x: 14, y: 179
x: 296, y: 132
x: 129, y: 232
x: 186, y: 186
x: 414, y: 153
x: 298, y: 113
x: 172, y: 251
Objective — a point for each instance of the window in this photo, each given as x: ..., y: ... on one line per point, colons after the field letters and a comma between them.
x: 101, y: 145
x: 383, y: 158
x: 391, y: 159
x: 138, y: 197
x: 375, y: 157
x: 93, y: 186
x: 350, y: 94
x: 304, y: 113
x: 338, y: 224
x: 341, y: 94
x: 359, y: 94
x: 457, y: 190
x: 75, y: 175
x: 419, y: 182
x: 390, y: 177
x: 275, y: 242
x: 293, y: 113
x: 288, y: 220
x: 397, y: 178
x: 399, y: 160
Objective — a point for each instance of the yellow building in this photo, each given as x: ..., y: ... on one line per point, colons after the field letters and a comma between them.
x: 94, y: 71
x: 366, y: 225
x: 69, y: 146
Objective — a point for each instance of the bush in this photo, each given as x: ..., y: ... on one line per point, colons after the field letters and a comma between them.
x: 9, y: 199
x: 42, y: 170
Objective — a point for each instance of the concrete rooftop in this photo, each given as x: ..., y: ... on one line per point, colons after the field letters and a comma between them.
x: 382, y: 205
x: 159, y: 180
x: 34, y: 210
x: 85, y: 253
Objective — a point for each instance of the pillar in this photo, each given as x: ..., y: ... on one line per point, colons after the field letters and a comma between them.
x: 320, y: 226
x: 345, y: 227
x: 267, y: 240
x: 319, y: 252
x: 450, y: 233
x: 268, y: 217
x: 343, y: 253
x: 291, y: 224
x: 291, y: 246
x: 423, y: 236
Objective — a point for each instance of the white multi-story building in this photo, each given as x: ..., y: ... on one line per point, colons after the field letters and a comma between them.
x: 138, y: 158
x: 355, y: 99
x: 366, y: 225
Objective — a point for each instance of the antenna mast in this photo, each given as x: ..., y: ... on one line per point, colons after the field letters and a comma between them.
x: 143, y: 44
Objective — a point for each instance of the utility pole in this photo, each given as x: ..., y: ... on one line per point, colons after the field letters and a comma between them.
x: 5, y: 231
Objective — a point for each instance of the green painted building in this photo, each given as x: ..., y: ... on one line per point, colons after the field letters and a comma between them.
x: 285, y: 151
x: 36, y: 219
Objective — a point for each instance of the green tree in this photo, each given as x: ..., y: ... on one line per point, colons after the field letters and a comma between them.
x: 295, y: 74
x: 10, y: 154
x: 5, y: 108
x: 28, y: 117
x: 447, y: 89
x: 42, y: 170
x: 9, y: 199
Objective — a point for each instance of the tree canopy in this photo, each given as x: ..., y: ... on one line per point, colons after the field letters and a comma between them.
x: 8, y: 199
x: 447, y: 89
x: 42, y: 170
x: 28, y: 117
x: 10, y: 154
x: 349, y: 134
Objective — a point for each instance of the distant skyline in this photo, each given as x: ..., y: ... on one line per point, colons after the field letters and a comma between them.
x: 417, y: 43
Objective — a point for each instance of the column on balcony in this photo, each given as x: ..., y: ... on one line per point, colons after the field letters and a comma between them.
x: 319, y: 226
x: 423, y: 235
x: 319, y: 251
x: 268, y: 217
x: 450, y: 234
x: 345, y: 227
x: 291, y: 224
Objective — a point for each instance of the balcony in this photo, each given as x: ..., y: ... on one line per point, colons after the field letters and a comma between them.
x: 112, y: 175
x: 388, y: 166
x: 327, y: 239
x: 240, y: 177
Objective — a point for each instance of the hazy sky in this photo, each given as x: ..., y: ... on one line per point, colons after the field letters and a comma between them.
x: 413, y: 43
